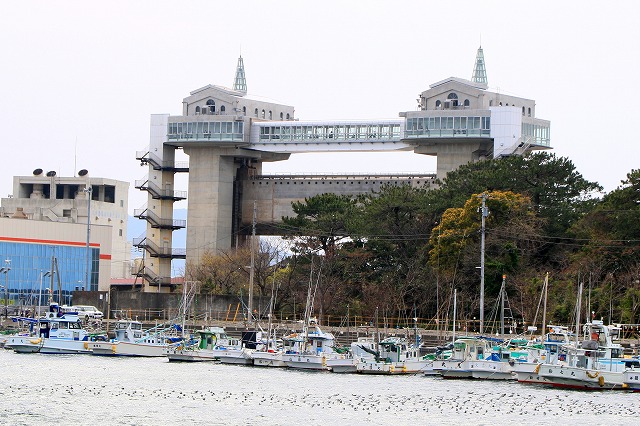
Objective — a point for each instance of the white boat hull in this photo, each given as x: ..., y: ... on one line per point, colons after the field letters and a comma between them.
x: 191, y: 355
x: 127, y: 349
x: 491, y: 370
x: 454, y: 369
x: 579, y: 378
x: 268, y: 359
x: 21, y: 344
x: 527, y: 372
x: 343, y: 365
x: 632, y: 380
x: 305, y: 362
x: 234, y: 356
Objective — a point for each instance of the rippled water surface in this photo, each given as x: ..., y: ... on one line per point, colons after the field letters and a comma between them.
x: 83, y: 389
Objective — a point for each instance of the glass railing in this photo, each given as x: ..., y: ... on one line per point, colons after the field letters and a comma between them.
x: 206, y: 137
x: 447, y: 133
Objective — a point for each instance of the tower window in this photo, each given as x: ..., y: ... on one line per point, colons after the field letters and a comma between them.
x: 529, y: 112
x: 262, y: 113
x: 197, y: 110
x: 244, y: 110
x: 212, y: 106
x: 523, y: 111
x: 270, y: 115
x: 222, y: 109
x: 466, y: 103
x: 438, y: 104
x: 256, y: 112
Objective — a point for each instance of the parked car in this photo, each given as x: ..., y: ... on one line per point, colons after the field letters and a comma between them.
x: 86, y: 312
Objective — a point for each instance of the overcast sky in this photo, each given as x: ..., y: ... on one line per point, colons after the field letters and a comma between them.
x: 80, y: 79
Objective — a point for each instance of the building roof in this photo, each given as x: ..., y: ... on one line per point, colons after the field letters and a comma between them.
x: 481, y: 86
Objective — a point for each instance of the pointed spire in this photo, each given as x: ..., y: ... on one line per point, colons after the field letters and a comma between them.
x: 240, y: 83
x: 479, y: 69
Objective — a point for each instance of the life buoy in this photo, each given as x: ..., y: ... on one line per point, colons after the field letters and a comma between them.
x: 537, y: 370
x: 594, y: 336
x: 86, y: 345
x: 601, y: 381
x: 35, y: 341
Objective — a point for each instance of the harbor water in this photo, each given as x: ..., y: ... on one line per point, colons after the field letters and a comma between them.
x: 40, y: 389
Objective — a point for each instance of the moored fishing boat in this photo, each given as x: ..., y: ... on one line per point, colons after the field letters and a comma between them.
x: 231, y: 350
x: 597, y: 363
x: 55, y: 333
x: 200, y: 350
x: 359, y: 351
x: 131, y: 340
x: 466, y: 352
x: 554, y: 343
x: 310, y: 349
x: 394, y: 356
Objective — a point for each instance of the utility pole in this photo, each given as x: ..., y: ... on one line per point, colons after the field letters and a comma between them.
x: 484, y: 213
x: 88, y: 190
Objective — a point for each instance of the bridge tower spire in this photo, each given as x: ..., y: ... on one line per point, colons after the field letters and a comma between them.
x: 240, y: 82
x: 479, y: 69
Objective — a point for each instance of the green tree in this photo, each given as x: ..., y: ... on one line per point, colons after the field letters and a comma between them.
x: 559, y: 194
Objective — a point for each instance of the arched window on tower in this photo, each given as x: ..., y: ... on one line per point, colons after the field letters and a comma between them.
x: 281, y: 116
x: 270, y: 115
x: 262, y: 113
x: 523, y: 111
x: 244, y: 110
x: 466, y: 103
x: 212, y: 106
x: 198, y: 110
x: 490, y: 102
x: 287, y: 116
x: 256, y: 112
x: 453, y: 98
x: 222, y: 109
x: 529, y: 112
x: 438, y: 104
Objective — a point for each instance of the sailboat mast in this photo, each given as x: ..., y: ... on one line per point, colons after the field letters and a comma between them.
x: 377, y: 336
x: 578, y: 310
x: 348, y: 329
x: 273, y: 286
x: 544, y: 310
x: 455, y: 306
x: 484, y: 214
x: 502, y: 296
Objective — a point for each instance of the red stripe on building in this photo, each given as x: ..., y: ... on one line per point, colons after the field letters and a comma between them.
x: 105, y: 257
x: 57, y: 242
